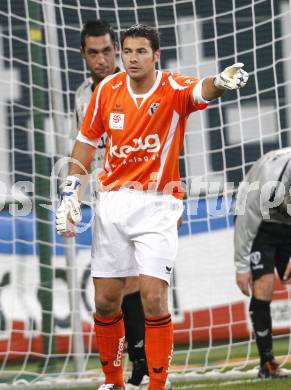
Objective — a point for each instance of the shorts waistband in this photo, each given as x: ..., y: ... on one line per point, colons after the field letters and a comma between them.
x: 130, y: 190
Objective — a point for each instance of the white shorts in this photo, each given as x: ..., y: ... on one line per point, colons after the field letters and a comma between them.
x: 135, y: 233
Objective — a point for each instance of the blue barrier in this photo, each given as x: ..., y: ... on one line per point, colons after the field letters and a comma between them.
x: 18, y: 233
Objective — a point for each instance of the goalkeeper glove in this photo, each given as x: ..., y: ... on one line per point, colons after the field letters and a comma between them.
x: 232, y: 77
x: 69, y: 207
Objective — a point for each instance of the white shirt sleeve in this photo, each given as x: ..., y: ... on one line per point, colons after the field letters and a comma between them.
x: 197, y: 93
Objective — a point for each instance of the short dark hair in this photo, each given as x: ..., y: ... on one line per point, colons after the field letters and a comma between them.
x: 96, y: 28
x: 143, y: 31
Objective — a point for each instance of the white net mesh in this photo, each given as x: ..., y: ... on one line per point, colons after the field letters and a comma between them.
x: 40, y: 69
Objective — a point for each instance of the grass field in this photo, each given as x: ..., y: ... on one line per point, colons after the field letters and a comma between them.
x: 247, y: 384
x: 199, y: 358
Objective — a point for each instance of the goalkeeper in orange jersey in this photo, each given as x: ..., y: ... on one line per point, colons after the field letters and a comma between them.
x: 263, y: 243
x: 143, y: 112
x: 98, y: 49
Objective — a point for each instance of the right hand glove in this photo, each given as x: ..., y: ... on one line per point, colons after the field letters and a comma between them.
x: 69, y: 209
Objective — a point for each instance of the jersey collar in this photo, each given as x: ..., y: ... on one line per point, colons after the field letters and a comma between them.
x: 145, y: 95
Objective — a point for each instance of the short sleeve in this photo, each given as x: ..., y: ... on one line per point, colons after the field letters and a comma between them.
x: 185, y: 85
x: 92, y: 126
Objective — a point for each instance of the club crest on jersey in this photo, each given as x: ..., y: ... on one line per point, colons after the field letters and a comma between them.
x: 153, y: 108
x: 116, y: 121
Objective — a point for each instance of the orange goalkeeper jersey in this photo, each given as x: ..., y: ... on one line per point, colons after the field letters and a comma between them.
x: 145, y: 133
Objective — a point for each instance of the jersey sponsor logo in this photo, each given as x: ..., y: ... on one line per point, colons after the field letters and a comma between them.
x: 116, y: 121
x: 136, y: 160
x: 153, y: 108
x: 151, y: 144
x: 255, y: 257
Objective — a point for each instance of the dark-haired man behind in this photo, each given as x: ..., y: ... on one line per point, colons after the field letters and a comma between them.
x: 98, y: 49
x: 144, y: 113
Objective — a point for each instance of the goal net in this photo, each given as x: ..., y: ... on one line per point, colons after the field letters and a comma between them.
x: 46, y: 294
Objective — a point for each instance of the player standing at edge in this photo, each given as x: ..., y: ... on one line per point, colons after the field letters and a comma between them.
x: 98, y: 49
x: 143, y: 112
x: 262, y: 242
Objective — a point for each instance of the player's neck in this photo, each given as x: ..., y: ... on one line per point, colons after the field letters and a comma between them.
x: 142, y: 86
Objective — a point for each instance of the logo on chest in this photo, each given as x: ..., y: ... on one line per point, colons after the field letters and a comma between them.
x: 150, y: 144
x: 116, y: 121
x: 153, y: 108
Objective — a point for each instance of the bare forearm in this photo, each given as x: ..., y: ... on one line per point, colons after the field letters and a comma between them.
x: 81, y: 159
x: 209, y: 90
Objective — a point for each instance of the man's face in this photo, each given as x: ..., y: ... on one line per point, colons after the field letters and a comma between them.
x: 99, y: 54
x: 138, y: 57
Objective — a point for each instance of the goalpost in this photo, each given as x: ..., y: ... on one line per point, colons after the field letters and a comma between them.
x: 46, y: 295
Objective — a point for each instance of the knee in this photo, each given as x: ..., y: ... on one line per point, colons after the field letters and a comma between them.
x: 106, y: 306
x: 263, y: 287
x: 154, y: 304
